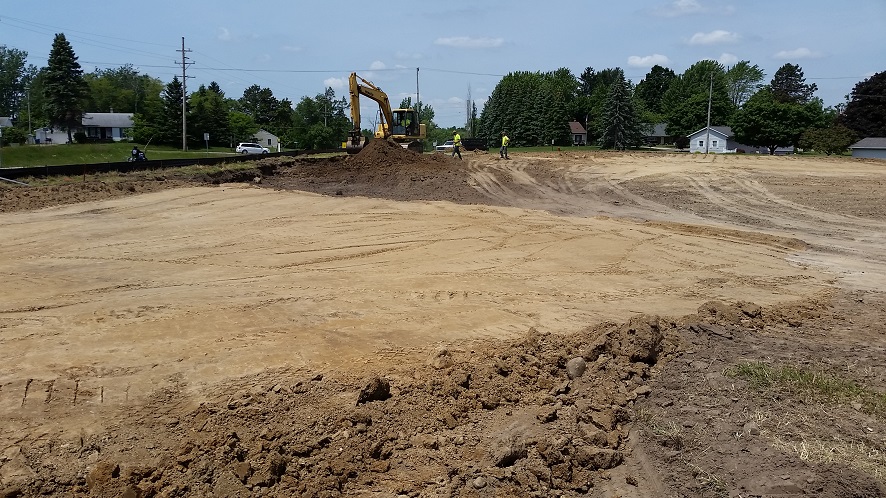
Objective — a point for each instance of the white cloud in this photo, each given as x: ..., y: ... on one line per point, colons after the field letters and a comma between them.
x: 800, y: 53
x: 680, y: 8
x: 335, y: 83
x: 455, y: 100
x: 224, y: 34
x: 648, y: 60
x: 727, y: 59
x: 714, y: 37
x: 377, y: 65
x: 290, y: 48
x: 468, y: 42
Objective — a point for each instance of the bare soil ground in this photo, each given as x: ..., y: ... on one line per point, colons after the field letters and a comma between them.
x: 389, y: 324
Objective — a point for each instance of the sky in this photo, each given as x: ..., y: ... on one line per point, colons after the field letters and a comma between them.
x: 448, y: 51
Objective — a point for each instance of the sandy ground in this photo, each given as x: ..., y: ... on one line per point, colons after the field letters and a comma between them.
x: 209, y: 291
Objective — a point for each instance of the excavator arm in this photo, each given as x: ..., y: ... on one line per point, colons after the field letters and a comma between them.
x: 359, y: 86
x: 401, y: 125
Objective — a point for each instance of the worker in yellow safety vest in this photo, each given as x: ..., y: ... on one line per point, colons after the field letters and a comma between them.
x: 504, y: 145
x: 456, y: 144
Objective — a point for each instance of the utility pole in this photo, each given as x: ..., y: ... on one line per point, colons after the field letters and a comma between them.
x: 707, y: 141
x: 417, y: 109
x: 184, y: 64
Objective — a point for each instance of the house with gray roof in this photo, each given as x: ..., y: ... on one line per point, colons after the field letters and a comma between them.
x: 107, y: 126
x: 721, y: 140
x: 870, y: 148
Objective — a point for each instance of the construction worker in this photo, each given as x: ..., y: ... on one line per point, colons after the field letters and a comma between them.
x: 504, y: 145
x: 456, y: 144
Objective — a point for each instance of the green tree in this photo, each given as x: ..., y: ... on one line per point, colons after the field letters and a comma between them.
x: 650, y: 91
x: 64, y: 88
x: 533, y: 107
x: 685, y: 103
x: 121, y: 89
x: 835, y: 139
x: 865, y: 113
x: 14, y: 79
x: 312, y: 114
x: 620, y: 123
x: 242, y: 126
x: 208, y: 113
x: 742, y: 80
x: 767, y: 121
x: 789, y: 85
x: 266, y: 110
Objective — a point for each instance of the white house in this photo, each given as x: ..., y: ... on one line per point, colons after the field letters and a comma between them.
x: 714, y: 140
x: 267, y: 139
x: 98, y: 126
x: 720, y: 140
x: 870, y: 148
x: 104, y: 126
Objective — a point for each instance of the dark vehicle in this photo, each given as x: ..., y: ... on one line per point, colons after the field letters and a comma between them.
x: 474, y: 144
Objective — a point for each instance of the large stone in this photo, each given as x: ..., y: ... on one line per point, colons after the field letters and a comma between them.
x: 576, y: 367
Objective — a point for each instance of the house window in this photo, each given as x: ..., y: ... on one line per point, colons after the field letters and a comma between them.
x: 269, y: 142
x: 701, y: 143
x: 714, y: 144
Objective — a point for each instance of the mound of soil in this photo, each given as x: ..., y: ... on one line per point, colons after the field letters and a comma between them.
x: 381, y: 169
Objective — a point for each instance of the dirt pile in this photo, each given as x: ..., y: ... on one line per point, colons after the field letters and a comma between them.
x: 539, y: 417
x: 381, y: 169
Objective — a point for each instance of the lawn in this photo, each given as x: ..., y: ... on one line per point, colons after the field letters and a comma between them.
x: 54, y: 155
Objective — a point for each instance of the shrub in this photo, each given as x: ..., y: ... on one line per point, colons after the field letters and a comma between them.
x: 14, y: 136
x: 80, y: 137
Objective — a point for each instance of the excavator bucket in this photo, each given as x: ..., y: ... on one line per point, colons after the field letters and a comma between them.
x: 355, y: 143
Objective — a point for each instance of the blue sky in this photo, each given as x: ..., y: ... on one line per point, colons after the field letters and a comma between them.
x: 298, y: 48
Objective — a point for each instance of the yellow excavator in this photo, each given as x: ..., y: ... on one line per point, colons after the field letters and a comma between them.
x: 400, y: 125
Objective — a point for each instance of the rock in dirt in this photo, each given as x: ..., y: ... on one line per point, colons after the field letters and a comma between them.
x: 575, y: 367
x: 378, y: 389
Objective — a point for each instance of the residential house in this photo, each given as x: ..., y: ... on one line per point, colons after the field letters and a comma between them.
x: 870, y: 148
x: 579, y: 134
x: 267, y: 139
x: 5, y: 122
x: 107, y: 126
x: 720, y: 140
x: 656, y: 134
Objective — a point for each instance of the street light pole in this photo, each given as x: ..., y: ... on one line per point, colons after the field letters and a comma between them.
x: 30, y: 130
x: 707, y: 142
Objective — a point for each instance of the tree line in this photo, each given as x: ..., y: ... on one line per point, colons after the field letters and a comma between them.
x: 534, y: 108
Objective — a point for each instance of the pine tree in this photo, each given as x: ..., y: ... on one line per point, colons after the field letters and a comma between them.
x: 64, y: 87
x: 620, y: 123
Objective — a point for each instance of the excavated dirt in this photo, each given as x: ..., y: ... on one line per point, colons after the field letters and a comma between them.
x: 392, y: 324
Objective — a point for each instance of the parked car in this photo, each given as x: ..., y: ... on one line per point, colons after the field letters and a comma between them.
x: 250, y: 148
x: 446, y: 147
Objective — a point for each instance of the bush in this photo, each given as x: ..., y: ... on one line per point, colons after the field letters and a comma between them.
x: 80, y: 137
x: 14, y: 136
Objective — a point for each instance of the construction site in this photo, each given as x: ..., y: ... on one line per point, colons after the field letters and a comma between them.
x: 392, y: 324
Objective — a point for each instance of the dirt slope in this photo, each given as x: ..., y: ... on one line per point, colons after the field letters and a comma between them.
x: 554, y: 325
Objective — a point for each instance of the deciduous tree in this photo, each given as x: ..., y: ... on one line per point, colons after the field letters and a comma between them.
x: 742, y: 80
x: 651, y: 89
x: 766, y: 120
x: 685, y: 103
x: 865, y: 114
x: 834, y: 139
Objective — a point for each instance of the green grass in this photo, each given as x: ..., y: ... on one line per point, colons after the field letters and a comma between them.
x: 54, y: 155
x: 824, y: 385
